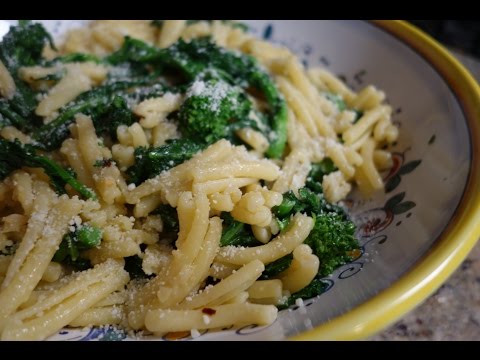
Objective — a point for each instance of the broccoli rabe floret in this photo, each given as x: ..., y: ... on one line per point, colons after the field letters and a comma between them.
x: 213, y: 110
x: 115, y: 114
x: 194, y: 57
x: 332, y: 240
x: 136, y: 58
x: 71, y: 58
x: 332, y: 237
x: 209, y: 116
x: 14, y: 155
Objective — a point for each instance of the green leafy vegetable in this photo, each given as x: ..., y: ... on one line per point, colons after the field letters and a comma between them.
x: 22, y: 46
x: 194, y: 57
x: 14, y: 155
x: 83, y: 238
x: 212, y: 111
x: 332, y: 240
x: 315, y: 288
x: 276, y: 267
x: 106, y: 106
x: 134, y: 50
x: 319, y: 170
x: 71, y: 58
x: 133, y: 265
x: 236, y: 233
x: 150, y: 162
x: 358, y: 115
x: 169, y: 218
x: 332, y: 237
x: 115, y: 114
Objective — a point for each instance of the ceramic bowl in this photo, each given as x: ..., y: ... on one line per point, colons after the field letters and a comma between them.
x: 416, y: 233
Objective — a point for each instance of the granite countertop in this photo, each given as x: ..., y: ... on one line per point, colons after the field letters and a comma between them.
x: 453, y: 312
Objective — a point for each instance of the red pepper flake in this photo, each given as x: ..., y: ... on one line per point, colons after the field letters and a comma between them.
x: 209, y: 311
x: 177, y: 335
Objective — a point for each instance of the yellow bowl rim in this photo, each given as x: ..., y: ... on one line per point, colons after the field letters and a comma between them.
x: 459, y: 236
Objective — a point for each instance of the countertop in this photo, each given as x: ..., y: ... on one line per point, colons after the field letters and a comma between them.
x: 453, y: 312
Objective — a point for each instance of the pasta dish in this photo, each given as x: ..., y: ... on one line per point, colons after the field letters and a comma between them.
x: 173, y: 176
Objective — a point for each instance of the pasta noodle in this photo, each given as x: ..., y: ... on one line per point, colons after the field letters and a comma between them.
x: 182, y: 176
x: 162, y: 321
x: 7, y: 85
x: 275, y: 249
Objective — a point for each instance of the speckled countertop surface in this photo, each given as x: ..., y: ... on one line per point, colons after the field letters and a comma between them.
x: 453, y: 312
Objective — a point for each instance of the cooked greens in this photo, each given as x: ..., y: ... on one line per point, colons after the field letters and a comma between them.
x: 82, y: 238
x: 22, y: 46
x: 14, y: 155
x: 236, y: 233
x: 332, y: 237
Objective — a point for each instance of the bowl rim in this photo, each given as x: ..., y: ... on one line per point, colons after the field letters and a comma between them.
x: 462, y: 231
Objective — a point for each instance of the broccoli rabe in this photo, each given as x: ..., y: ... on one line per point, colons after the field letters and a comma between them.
x: 213, y: 110
x: 319, y: 170
x: 169, y: 218
x: 21, y: 46
x: 103, y: 104
x: 83, y: 238
x: 315, y: 288
x: 194, y: 57
x: 150, y: 162
x: 133, y: 265
x: 71, y: 58
x: 236, y: 233
x: 276, y: 267
x: 14, y: 155
x: 136, y: 58
x: 332, y: 240
x: 332, y: 237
